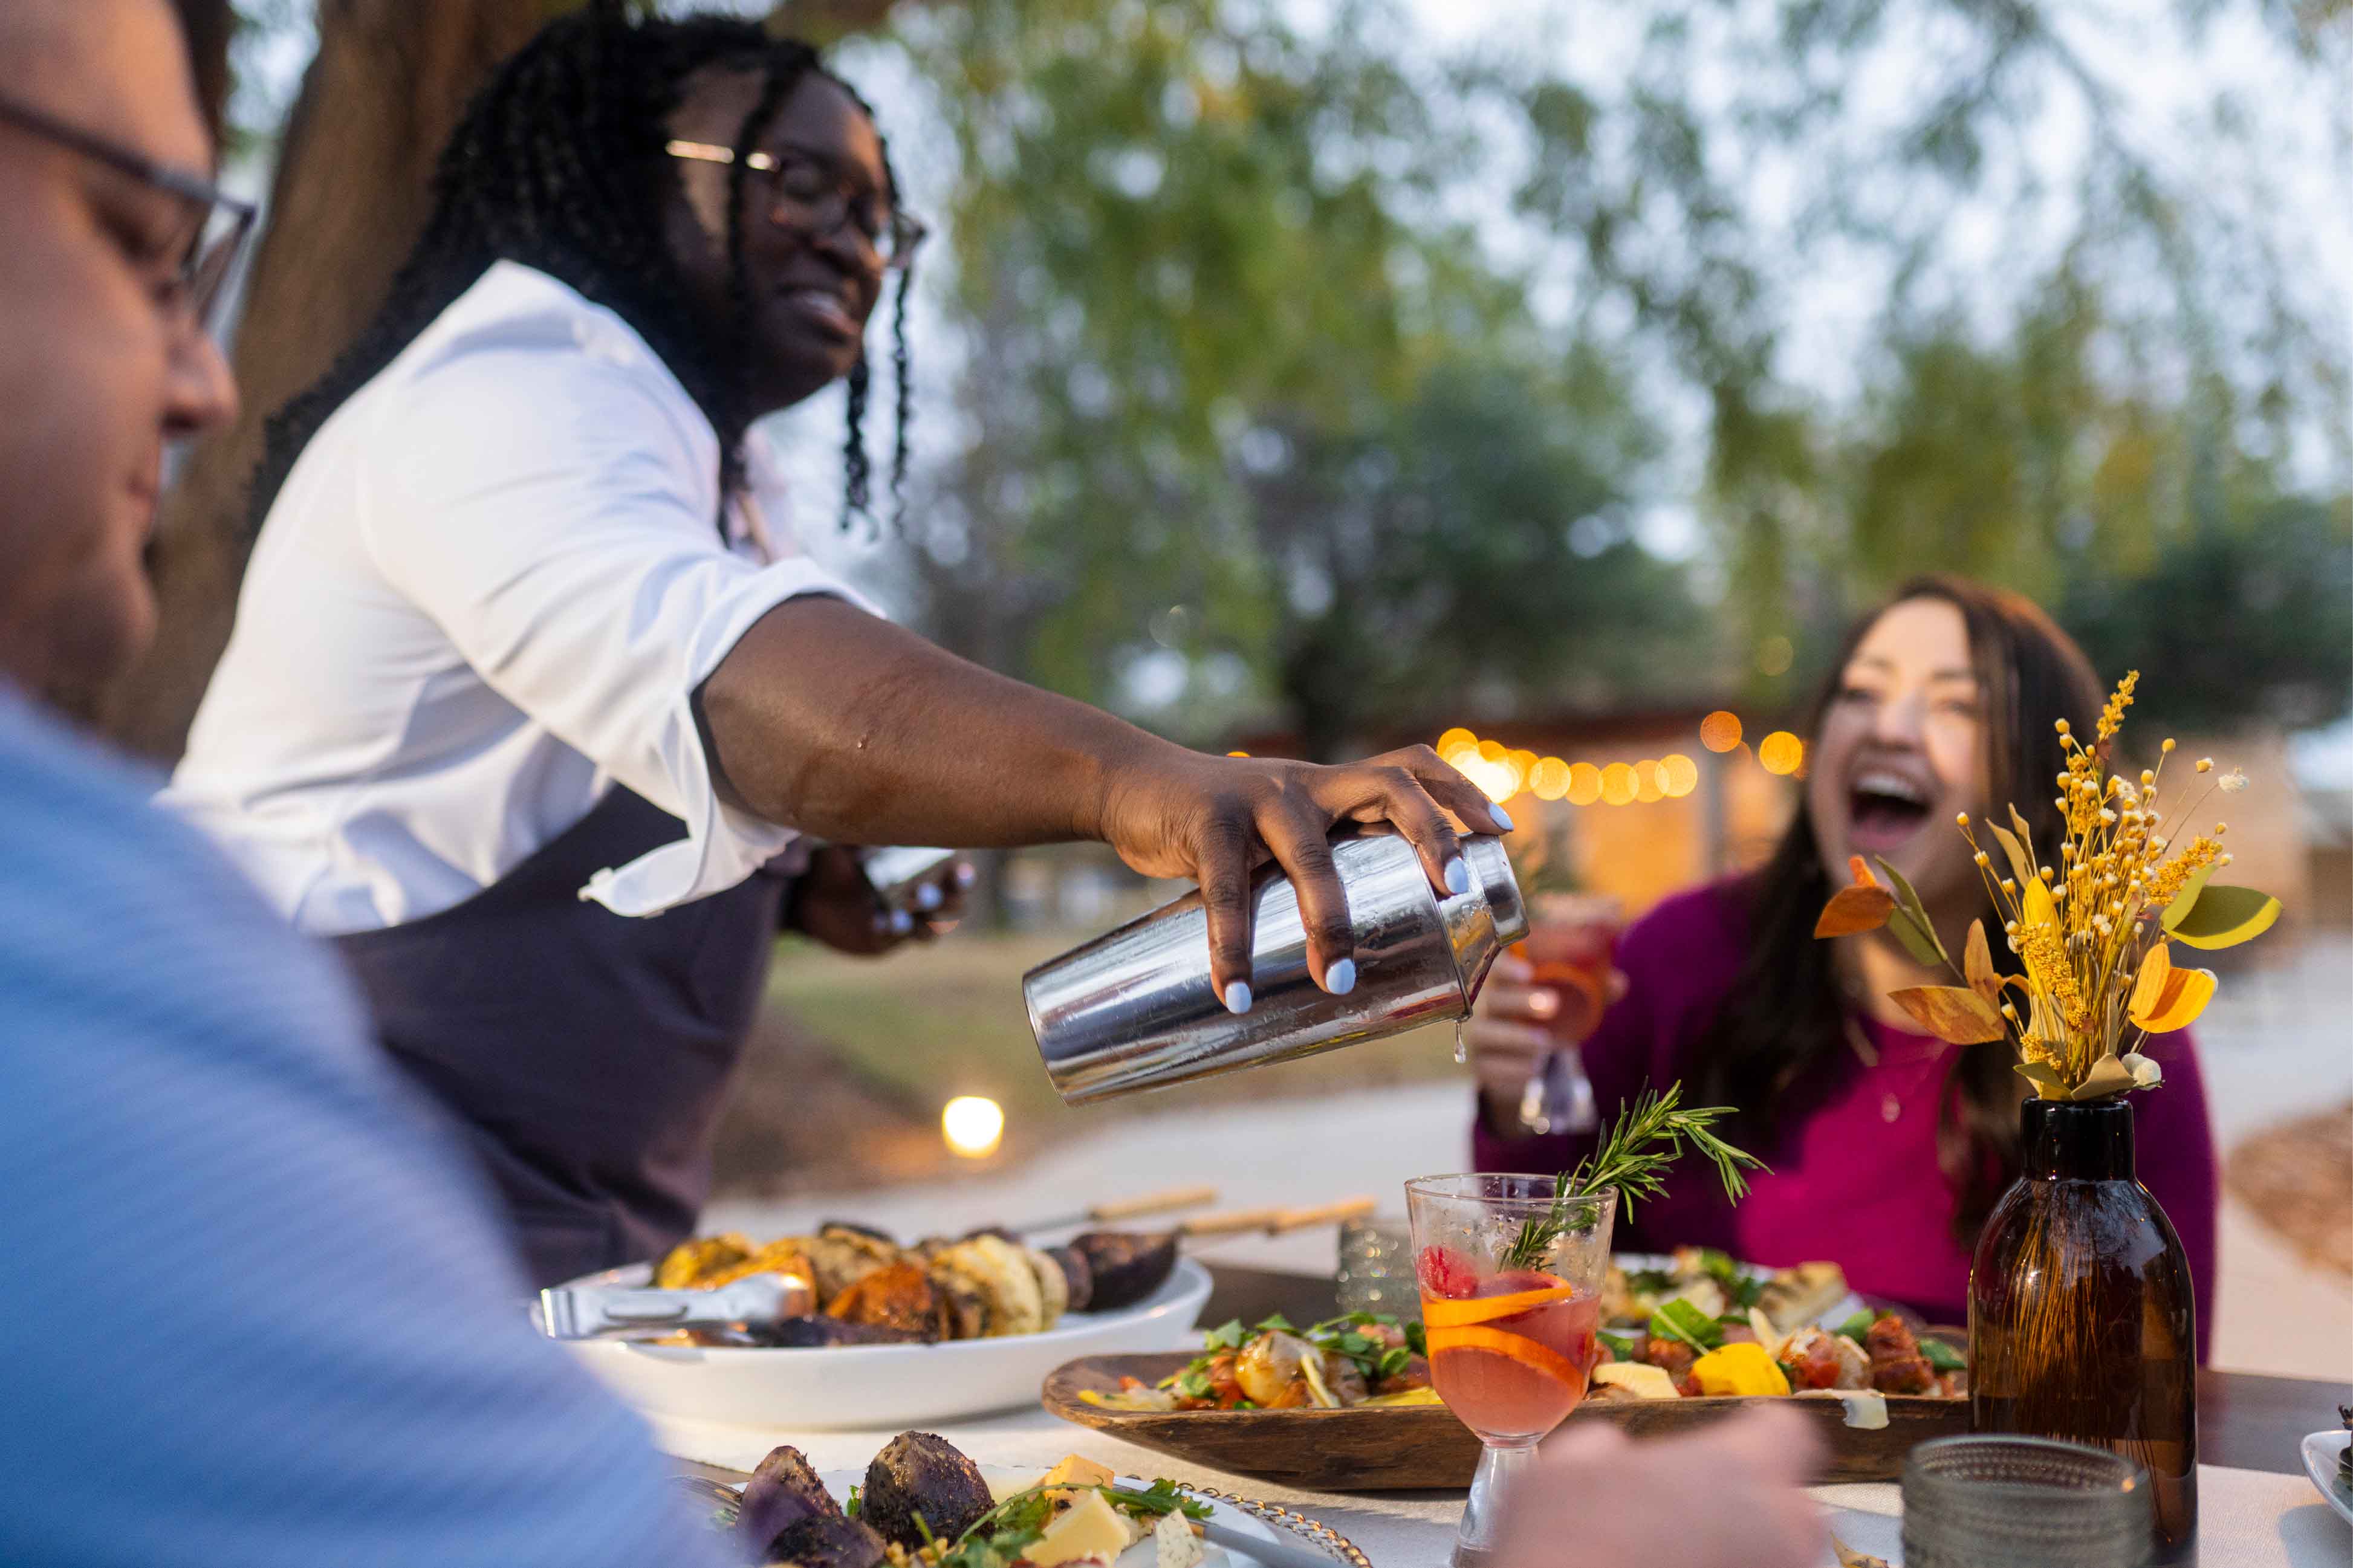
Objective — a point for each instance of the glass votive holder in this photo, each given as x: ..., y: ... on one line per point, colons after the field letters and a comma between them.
x: 1376, y: 1272
x: 2024, y: 1502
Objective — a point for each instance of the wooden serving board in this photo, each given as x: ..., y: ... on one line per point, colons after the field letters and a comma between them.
x: 1415, y: 1446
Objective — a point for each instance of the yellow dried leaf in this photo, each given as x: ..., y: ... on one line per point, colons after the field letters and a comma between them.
x: 2108, y: 1076
x: 2020, y: 866
x: 1860, y: 870
x: 1853, y: 909
x: 2036, y: 906
x: 2177, y: 998
x: 1958, y: 1017
x: 1977, y: 965
x: 2150, y: 982
x: 2225, y: 917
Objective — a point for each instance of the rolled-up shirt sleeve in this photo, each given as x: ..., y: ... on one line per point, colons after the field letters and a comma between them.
x: 561, y: 524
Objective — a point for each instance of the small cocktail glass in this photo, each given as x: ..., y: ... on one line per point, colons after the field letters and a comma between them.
x: 1511, y: 1329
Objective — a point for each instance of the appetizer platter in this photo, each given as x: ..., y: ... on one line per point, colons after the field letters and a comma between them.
x: 1680, y: 1340
x: 874, y: 1334
x: 923, y: 1504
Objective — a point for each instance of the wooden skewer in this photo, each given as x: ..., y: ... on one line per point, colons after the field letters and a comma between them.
x: 1155, y: 1203
x: 1127, y: 1208
x: 1325, y: 1214
x: 1229, y: 1224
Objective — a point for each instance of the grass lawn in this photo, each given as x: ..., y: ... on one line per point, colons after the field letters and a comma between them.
x: 928, y: 1024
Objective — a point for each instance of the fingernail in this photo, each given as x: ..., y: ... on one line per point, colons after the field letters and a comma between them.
x: 1341, y: 978
x: 927, y: 897
x: 1237, y: 997
x: 1544, y: 1003
x: 902, y: 922
x: 965, y: 875
x: 1457, y: 876
x: 1501, y: 816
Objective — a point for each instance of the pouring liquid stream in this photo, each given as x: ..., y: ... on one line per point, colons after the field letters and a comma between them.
x: 1461, y: 1045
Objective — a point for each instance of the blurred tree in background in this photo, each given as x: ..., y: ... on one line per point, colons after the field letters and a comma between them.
x: 1313, y: 368
x: 1244, y: 417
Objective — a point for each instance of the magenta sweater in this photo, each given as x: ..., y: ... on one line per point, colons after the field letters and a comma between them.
x: 1849, y: 1183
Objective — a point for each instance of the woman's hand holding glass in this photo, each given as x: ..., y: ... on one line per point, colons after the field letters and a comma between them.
x: 1518, y: 1023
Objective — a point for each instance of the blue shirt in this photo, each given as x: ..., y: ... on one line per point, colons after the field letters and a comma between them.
x: 255, y: 1309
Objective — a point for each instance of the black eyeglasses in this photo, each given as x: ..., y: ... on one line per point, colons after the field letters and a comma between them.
x: 809, y: 196
x: 217, y: 224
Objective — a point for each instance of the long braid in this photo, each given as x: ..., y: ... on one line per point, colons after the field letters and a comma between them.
x: 902, y: 371
x: 558, y: 164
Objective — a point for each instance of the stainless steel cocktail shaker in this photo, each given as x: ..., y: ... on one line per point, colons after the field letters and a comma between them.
x: 1133, y: 1009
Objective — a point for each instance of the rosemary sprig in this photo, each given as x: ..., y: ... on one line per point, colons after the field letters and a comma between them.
x: 1633, y: 1158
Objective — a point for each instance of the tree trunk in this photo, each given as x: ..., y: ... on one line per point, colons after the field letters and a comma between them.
x: 352, y: 192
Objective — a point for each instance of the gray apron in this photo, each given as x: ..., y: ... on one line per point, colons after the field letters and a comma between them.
x: 584, y: 1053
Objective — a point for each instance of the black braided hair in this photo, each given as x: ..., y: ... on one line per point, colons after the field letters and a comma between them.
x: 558, y: 164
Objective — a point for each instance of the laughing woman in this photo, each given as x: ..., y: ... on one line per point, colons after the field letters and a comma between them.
x: 1888, y: 1147
x: 528, y: 696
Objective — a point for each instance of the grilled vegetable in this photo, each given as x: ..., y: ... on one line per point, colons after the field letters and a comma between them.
x: 920, y: 1473
x: 831, y: 1542
x: 1078, y: 1280
x: 1126, y: 1265
x: 822, y: 1333
x: 783, y: 1492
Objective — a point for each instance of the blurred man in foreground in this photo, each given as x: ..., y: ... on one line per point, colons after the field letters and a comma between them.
x: 260, y: 1312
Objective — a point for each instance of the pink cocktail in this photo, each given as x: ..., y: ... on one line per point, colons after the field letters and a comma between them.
x: 1511, y: 1282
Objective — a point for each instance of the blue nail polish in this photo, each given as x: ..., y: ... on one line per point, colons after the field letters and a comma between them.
x: 1457, y: 876
x: 902, y: 922
x: 927, y: 897
x: 1500, y: 815
x: 1237, y: 997
x: 1341, y: 978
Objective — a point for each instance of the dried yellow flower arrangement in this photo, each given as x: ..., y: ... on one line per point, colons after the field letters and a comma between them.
x: 2092, y: 931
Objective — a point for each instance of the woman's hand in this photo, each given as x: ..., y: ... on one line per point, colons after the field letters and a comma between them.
x: 1727, y: 1496
x: 833, y: 904
x: 1173, y: 812
x: 1516, y: 1023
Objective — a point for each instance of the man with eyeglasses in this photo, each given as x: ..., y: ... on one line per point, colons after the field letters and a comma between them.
x: 259, y: 1311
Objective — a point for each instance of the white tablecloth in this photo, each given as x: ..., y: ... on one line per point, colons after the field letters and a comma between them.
x: 2247, y: 1519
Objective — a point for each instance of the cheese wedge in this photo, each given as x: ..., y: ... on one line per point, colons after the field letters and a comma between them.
x: 1075, y: 1472
x: 1637, y: 1378
x: 1091, y: 1529
x: 1174, y: 1543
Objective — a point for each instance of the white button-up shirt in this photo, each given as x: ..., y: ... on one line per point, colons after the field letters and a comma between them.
x: 487, y: 594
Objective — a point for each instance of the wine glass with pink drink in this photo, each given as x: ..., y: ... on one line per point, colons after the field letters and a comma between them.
x: 1511, y: 1277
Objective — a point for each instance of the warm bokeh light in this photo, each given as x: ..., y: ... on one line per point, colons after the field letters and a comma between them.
x: 1618, y: 786
x: 1775, y: 655
x: 1781, y: 752
x: 1720, y: 731
x: 972, y: 1125
x: 1453, y: 739
x: 1498, y: 780
x: 1584, y: 783
x: 1549, y: 779
x: 1683, y: 775
x: 1492, y: 751
x: 1649, y: 780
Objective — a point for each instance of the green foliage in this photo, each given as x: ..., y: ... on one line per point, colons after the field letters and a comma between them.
x: 1227, y: 359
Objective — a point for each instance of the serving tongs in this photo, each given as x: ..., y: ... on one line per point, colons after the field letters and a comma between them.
x: 642, y: 1312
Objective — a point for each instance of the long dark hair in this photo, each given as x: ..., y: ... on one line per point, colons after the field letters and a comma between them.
x: 558, y: 164
x: 1785, y: 1022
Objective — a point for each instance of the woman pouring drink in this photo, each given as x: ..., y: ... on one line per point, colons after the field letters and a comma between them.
x: 529, y: 702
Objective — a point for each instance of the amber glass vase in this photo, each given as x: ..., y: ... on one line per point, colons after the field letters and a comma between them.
x: 2081, y: 1322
